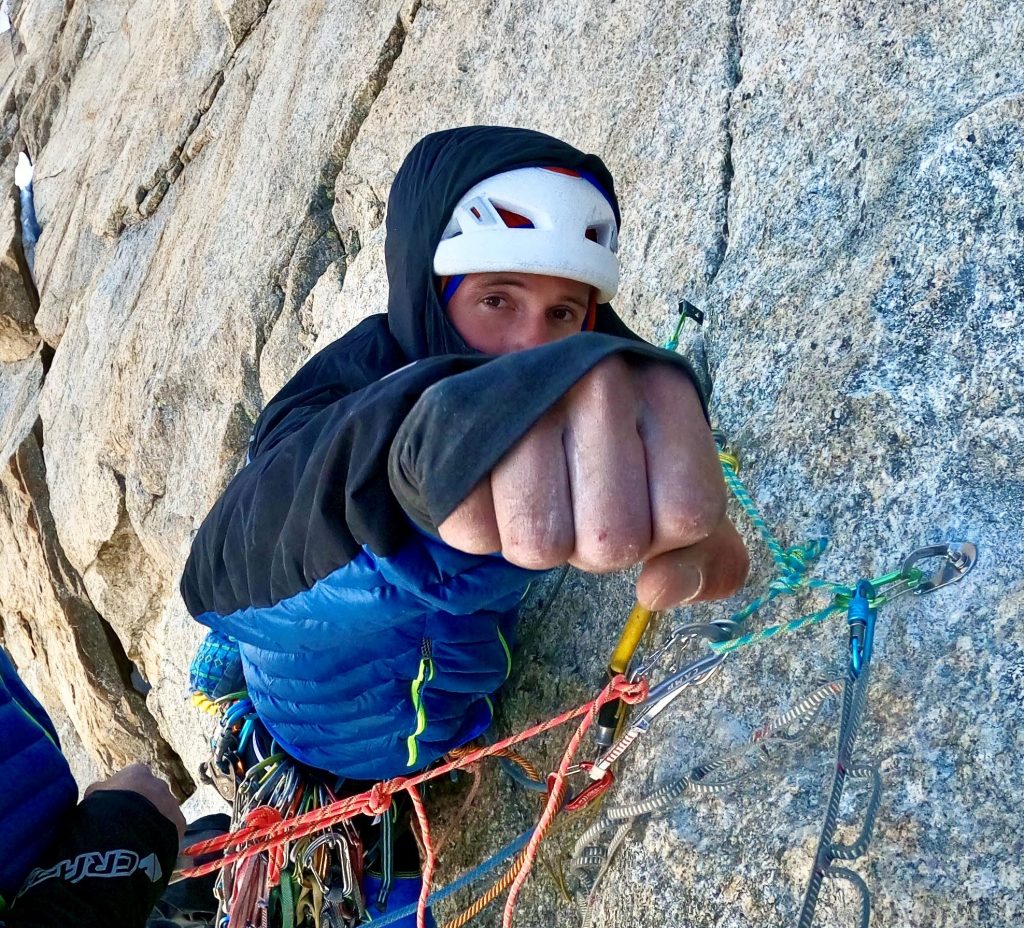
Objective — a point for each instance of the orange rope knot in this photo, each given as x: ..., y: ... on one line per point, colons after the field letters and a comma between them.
x: 265, y: 817
x: 262, y: 817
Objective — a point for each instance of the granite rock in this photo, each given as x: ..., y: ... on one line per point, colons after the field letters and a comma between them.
x: 837, y: 186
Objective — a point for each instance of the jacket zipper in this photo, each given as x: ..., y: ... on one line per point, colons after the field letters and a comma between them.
x: 425, y: 675
x: 508, y: 654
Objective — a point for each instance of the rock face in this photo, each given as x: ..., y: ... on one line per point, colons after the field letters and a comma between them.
x: 839, y: 187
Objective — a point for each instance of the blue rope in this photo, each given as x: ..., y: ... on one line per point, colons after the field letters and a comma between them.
x: 503, y: 856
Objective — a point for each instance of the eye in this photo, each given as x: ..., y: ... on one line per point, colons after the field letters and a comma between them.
x: 493, y: 300
x: 563, y: 314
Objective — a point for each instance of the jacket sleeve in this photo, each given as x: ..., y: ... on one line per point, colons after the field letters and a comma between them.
x: 347, y: 485
x: 109, y: 865
x: 465, y: 424
x: 313, y: 498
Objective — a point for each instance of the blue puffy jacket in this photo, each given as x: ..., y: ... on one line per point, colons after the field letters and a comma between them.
x: 384, y: 664
x: 37, y: 790
x: 370, y: 648
x: 95, y: 864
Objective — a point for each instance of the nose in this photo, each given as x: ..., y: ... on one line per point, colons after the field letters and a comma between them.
x: 533, y: 331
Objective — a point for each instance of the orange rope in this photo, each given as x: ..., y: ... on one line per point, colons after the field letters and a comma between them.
x: 248, y: 841
x: 556, y: 792
x: 428, y: 848
x: 488, y: 897
x: 521, y: 762
x: 507, y: 753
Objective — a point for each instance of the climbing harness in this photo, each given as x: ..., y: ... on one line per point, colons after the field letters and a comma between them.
x: 315, y: 882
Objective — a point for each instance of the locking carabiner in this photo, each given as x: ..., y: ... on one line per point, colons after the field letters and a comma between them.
x: 861, y: 618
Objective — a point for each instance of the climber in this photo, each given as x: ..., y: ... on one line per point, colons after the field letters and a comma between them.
x: 362, y: 571
x: 95, y: 863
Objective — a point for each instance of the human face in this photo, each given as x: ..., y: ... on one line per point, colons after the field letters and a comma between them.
x: 504, y: 312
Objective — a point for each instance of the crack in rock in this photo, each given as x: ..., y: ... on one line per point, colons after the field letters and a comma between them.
x: 40, y: 104
x: 367, y: 94
x: 241, y: 16
x: 19, y: 299
x: 322, y: 245
x: 242, y: 20
x: 734, y: 74
x: 82, y: 651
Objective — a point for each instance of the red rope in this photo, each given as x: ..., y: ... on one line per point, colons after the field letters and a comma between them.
x: 254, y: 838
x: 428, y: 851
x: 251, y: 840
x: 556, y: 793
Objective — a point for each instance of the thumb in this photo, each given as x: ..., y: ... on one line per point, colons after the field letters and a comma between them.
x: 710, y: 569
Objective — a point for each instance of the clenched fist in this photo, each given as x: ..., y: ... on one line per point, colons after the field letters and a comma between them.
x: 622, y: 470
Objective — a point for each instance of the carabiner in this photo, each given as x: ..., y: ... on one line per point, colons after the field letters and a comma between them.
x: 725, y: 453
x: 861, y: 618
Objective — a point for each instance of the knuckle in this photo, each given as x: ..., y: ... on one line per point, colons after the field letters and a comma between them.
x: 535, y: 545
x: 534, y: 556
x: 667, y: 381
x: 695, y: 517
x: 606, y: 550
x: 604, y: 381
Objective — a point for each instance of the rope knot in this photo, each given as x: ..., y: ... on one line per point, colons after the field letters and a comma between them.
x: 794, y: 564
x: 630, y: 693
x: 379, y: 800
x: 262, y: 817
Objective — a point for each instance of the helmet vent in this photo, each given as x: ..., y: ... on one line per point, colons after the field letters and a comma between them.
x: 512, y: 219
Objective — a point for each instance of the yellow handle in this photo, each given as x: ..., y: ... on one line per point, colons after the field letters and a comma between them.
x: 629, y: 640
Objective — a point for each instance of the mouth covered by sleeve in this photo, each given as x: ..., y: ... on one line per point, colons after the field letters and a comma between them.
x: 463, y: 425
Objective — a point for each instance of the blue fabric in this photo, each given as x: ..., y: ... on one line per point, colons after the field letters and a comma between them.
x: 30, y: 230
x: 451, y: 287
x: 36, y: 787
x: 330, y: 670
x: 405, y: 892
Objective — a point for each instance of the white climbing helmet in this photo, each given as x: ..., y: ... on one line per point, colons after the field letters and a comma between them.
x: 535, y: 221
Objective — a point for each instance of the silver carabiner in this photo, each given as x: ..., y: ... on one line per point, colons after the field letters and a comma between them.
x: 332, y: 841
x: 681, y: 636
x: 960, y: 558
x: 659, y: 698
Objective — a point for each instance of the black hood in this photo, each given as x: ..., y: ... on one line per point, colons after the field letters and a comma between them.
x: 430, y: 182
x: 432, y: 179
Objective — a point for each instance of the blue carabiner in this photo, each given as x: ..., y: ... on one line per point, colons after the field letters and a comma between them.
x: 861, y: 618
